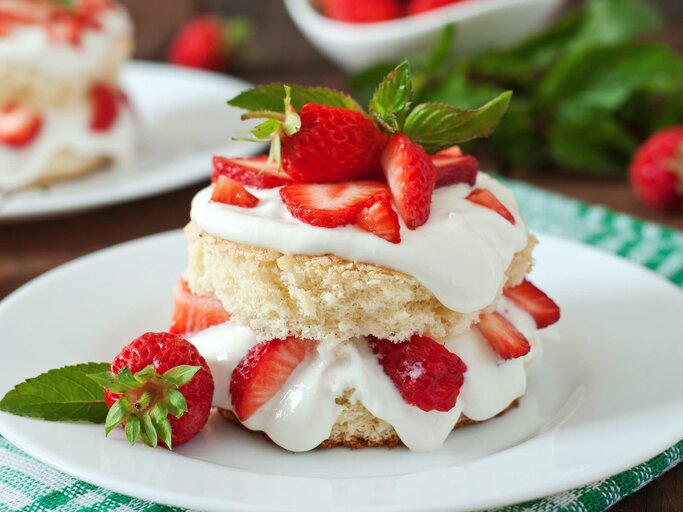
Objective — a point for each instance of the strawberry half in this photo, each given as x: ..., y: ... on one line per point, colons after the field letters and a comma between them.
x: 535, y: 302
x: 486, y: 198
x: 380, y: 219
x: 19, y: 126
x: 105, y: 109
x: 453, y: 167
x: 263, y: 371
x: 193, y: 313
x: 425, y: 372
x: 503, y: 337
x: 65, y: 29
x: 411, y: 176
x: 254, y: 172
x: 228, y: 191
x: 331, y: 205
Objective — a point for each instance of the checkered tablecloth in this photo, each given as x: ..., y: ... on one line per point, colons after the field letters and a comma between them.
x: 27, y: 485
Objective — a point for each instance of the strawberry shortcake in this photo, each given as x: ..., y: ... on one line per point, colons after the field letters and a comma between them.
x: 364, y: 284
x: 62, y: 113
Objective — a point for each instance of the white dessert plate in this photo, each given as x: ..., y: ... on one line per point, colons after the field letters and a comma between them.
x: 183, y: 120
x: 606, y: 396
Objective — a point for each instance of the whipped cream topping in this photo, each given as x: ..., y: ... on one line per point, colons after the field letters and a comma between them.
x: 460, y: 254
x: 31, y: 47
x: 301, y: 415
x: 66, y: 130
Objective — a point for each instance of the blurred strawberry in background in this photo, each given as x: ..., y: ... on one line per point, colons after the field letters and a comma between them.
x: 420, y: 6
x: 372, y: 11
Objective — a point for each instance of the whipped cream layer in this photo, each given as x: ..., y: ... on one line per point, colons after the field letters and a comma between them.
x: 460, y: 254
x: 301, y: 415
x: 66, y: 130
x: 30, y: 46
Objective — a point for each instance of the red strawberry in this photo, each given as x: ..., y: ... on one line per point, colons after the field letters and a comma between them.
x: 486, y: 198
x: 250, y: 171
x: 454, y: 167
x: 380, y: 219
x: 263, y: 371
x: 193, y: 313
x: 369, y: 11
x: 65, y: 29
x: 105, y: 109
x: 228, y: 191
x: 333, y: 144
x: 532, y: 300
x: 419, y: 6
x: 331, y: 205
x: 208, y: 42
x: 19, y: 126
x: 425, y: 372
x: 411, y: 176
x: 160, y: 388
x: 503, y: 337
x: 656, y: 172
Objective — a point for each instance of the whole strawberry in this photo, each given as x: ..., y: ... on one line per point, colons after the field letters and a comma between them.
x: 332, y: 145
x: 366, y: 11
x: 656, y: 171
x: 420, y: 6
x: 209, y: 42
x: 160, y: 388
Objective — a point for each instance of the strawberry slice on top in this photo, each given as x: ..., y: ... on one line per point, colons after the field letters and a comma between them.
x: 453, y: 167
x: 19, y: 125
x: 104, y: 101
x: 332, y: 204
x: 253, y: 172
x: 487, y: 199
x: 193, y: 313
x: 228, y: 191
x: 503, y: 337
x: 411, y: 176
x: 542, y: 308
x: 380, y: 219
x: 263, y: 371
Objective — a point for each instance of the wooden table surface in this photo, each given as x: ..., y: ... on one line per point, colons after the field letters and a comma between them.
x: 279, y: 53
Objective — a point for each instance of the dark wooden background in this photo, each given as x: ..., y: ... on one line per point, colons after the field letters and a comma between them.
x: 280, y: 53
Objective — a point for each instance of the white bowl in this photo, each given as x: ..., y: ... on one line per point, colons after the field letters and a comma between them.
x: 481, y: 25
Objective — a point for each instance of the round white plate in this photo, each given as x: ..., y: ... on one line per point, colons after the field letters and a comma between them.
x: 607, y: 396
x: 183, y: 120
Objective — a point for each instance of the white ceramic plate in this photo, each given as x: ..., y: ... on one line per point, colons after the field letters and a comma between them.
x: 184, y: 120
x: 606, y: 396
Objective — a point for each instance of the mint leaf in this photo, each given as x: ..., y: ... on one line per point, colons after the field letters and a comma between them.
x: 391, y: 100
x: 272, y: 97
x: 437, y: 126
x: 65, y: 394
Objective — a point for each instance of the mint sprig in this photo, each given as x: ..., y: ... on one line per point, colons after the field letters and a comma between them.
x: 392, y: 99
x: 271, y: 98
x: 64, y: 394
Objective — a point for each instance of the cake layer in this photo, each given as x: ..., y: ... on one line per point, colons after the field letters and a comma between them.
x: 324, y: 298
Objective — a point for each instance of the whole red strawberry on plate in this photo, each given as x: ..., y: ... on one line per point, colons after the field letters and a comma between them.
x: 160, y: 388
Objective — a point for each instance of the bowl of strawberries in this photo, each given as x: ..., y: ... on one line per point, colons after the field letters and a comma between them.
x: 356, y: 34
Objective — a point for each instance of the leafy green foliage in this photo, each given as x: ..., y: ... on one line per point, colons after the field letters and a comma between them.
x: 392, y: 98
x: 272, y: 98
x: 587, y: 88
x: 64, y: 394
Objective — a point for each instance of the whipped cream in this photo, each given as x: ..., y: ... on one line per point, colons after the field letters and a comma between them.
x: 66, y: 130
x: 460, y: 254
x: 301, y: 415
x: 31, y: 47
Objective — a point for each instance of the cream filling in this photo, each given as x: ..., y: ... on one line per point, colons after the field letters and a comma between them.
x: 301, y: 415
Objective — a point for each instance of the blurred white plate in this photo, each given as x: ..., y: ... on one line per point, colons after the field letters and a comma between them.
x: 481, y: 24
x: 606, y: 396
x: 184, y: 120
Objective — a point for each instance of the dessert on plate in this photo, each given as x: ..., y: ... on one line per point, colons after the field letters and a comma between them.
x: 364, y: 284
x: 62, y: 113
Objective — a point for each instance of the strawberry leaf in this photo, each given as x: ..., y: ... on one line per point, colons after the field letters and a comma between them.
x: 181, y: 375
x: 133, y: 429
x: 64, y: 394
x: 271, y: 97
x: 437, y: 126
x: 116, y: 415
x: 392, y: 98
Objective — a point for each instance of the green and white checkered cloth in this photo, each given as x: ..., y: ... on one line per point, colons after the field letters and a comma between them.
x: 28, y: 485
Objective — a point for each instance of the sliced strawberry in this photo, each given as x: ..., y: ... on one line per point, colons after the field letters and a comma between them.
x: 254, y: 172
x: 104, y: 103
x: 65, y: 29
x: 425, y: 372
x: 380, y: 219
x: 454, y: 167
x: 331, y: 205
x: 411, y: 176
x: 19, y: 125
x: 503, y: 337
x: 263, y: 371
x: 485, y: 198
x: 228, y: 191
x: 193, y: 313
x: 532, y: 300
